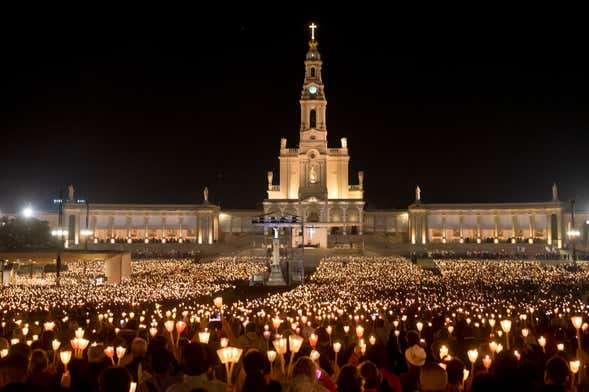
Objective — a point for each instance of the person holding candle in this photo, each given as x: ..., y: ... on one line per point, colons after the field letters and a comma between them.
x: 349, y: 379
x: 306, y: 376
x: 196, y: 364
x: 97, y: 362
x: 433, y: 378
x: 415, y: 356
x: 114, y: 379
x: 556, y: 375
x: 13, y: 370
x: 39, y: 377
x: 256, y: 374
x: 159, y: 364
x: 371, y: 376
x: 134, y: 363
x: 455, y: 370
x: 251, y: 338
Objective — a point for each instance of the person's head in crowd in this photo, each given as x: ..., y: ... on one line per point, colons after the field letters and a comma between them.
x: 349, y: 379
x: 46, y: 338
x: 159, y: 361
x: 433, y: 378
x: 250, y: 331
x: 4, y: 343
x: 114, y: 379
x: 415, y: 355
x: 484, y: 382
x: 455, y: 371
x: 322, y: 338
x: 377, y: 355
x: 39, y: 362
x: 79, y: 374
x: 412, y: 338
x: 556, y: 372
x: 195, y: 359
x: 505, y: 367
x: 254, y: 368
x: 96, y: 354
x: 138, y: 347
x: 13, y: 369
x: 157, y: 342
x: 304, y: 367
x: 21, y: 349
x: 370, y: 374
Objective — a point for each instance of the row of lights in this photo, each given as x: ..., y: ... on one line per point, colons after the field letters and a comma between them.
x: 495, y: 240
x: 130, y: 240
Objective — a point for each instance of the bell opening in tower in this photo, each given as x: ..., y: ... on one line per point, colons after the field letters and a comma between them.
x: 313, y: 118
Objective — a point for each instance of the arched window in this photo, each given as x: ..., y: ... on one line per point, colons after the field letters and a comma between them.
x: 313, y: 118
x: 312, y: 72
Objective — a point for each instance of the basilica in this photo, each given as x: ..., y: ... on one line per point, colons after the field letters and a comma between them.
x: 315, y: 186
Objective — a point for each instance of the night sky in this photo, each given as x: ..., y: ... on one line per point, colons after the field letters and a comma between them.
x: 151, y: 108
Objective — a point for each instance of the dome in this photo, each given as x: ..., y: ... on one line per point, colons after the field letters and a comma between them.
x: 313, y: 53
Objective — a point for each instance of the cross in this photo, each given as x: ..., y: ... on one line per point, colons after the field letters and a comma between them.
x: 313, y: 26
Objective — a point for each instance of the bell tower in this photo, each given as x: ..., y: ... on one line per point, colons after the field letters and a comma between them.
x: 313, y: 131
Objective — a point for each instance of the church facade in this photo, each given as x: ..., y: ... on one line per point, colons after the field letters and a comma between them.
x: 313, y: 184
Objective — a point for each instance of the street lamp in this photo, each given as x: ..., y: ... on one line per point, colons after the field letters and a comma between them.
x: 573, y: 233
x: 59, y: 233
x: 27, y: 212
x: 86, y: 232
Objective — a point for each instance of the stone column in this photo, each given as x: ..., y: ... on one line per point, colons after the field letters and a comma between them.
x: 345, y: 219
x: 497, y: 227
x: 128, y: 227
x: 146, y: 222
x: 94, y: 224
x: 424, y: 230
x: 216, y: 227
x: 559, y: 229
x: 199, y: 228
x: 549, y: 229
x: 532, y: 225
x: 163, y: 228
x: 197, y: 234
x: 361, y: 221
x: 412, y: 222
x: 514, y: 225
x: 478, y: 226
x: 461, y: 226
x: 112, y: 226
x: 444, y: 236
x: 77, y: 232
x: 210, y: 228
x: 180, y: 221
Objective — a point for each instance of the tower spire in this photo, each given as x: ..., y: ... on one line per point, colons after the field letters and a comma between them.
x: 313, y: 100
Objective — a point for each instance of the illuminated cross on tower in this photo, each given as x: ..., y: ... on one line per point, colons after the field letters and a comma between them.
x: 313, y: 26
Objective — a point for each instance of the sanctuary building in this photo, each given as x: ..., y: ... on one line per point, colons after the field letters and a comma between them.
x: 314, y: 185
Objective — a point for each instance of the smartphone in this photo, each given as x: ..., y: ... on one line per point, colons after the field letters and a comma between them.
x: 215, y: 317
x: 318, y: 374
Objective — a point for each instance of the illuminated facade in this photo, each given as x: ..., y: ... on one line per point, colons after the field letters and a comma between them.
x: 313, y: 183
x: 313, y: 180
x: 497, y: 223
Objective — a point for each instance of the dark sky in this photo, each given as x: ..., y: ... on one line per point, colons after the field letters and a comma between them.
x: 151, y: 108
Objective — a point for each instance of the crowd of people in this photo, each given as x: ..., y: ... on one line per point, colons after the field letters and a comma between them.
x: 357, y: 324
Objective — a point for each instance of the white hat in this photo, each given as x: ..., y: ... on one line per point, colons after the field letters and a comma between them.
x: 415, y: 355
